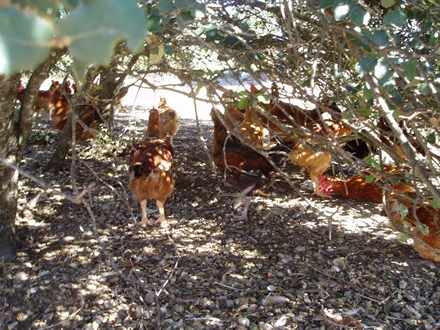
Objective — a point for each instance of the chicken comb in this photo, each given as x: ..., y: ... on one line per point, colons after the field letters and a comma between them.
x: 326, y: 187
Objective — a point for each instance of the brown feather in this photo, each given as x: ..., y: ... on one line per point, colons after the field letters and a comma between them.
x: 151, y: 173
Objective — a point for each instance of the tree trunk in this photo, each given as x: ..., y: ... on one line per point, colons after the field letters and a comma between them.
x: 56, y: 162
x: 15, y: 125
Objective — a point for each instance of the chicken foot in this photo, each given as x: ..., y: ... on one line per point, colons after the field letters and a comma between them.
x: 162, y: 219
x: 247, y: 194
x: 244, y: 215
x: 145, y: 221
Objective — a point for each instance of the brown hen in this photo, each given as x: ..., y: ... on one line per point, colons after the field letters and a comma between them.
x: 169, y: 120
x: 151, y: 175
x: 315, y: 161
x: 245, y: 167
x: 357, y: 187
x: 423, y: 222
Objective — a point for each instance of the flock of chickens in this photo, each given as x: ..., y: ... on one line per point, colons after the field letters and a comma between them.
x: 57, y: 102
x: 250, y: 142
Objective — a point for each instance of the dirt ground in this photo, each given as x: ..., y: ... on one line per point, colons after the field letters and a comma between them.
x: 301, y: 262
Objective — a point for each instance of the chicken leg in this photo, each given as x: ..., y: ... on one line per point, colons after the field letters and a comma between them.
x: 160, y: 202
x: 247, y: 194
x: 145, y: 220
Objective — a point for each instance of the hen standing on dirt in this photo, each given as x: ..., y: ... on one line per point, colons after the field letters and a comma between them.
x: 151, y: 175
x: 169, y: 120
x: 151, y: 171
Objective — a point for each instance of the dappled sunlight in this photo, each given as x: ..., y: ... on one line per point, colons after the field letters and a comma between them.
x: 281, y: 267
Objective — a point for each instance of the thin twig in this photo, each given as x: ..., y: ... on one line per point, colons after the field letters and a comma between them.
x: 66, y: 319
x: 47, y: 187
x: 242, y: 233
x: 228, y: 286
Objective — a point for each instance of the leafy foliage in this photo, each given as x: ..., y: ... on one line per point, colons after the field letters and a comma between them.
x: 93, y: 29
x: 21, y: 49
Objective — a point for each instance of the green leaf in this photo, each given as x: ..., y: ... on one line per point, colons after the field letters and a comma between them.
x: 348, y: 115
x: 351, y: 37
x: 436, y: 203
x: 165, y: 6
x: 410, y: 70
x: 387, y: 3
x: 418, y: 44
x: 243, y: 103
x: 169, y: 49
x: 341, y: 9
x: 153, y: 24
x: 380, y: 37
x: 433, y: 39
x: 368, y: 63
x: 359, y: 16
x: 326, y: 4
x: 186, y: 16
x: 394, y: 18
x: 24, y: 40
x: 432, y: 138
x: 403, y: 210
x: 424, y: 229
x: 403, y: 237
x: 368, y: 93
x: 365, y: 112
x: 231, y: 41
x: 183, y: 4
x: 373, y: 163
x: 370, y: 178
x: 366, y: 48
x: 394, y: 180
x: 95, y: 27
x: 244, y: 26
x: 424, y: 89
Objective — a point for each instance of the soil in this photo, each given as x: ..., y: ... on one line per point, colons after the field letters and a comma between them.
x: 300, y: 262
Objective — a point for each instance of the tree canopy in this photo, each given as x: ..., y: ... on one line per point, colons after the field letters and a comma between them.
x: 374, y: 63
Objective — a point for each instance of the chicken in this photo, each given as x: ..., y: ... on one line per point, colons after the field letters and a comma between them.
x: 285, y: 120
x: 233, y: 115
x: 89, y: 117
x: 244, y: 167
x: 67, y: 89
x: 246, y: 119
x: 169, y: 120
x: 279, y: 114
x: 153, y: 124
x: 317, y: 161
x: 43, y: 97
x: 357, y: 187
x: 252, y: 129
x: 422, y: 221
x: 151, y: 175
x: 255, y: 90
x: 357, y: 147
